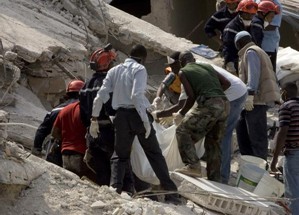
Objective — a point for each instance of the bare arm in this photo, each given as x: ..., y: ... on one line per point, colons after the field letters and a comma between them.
x: 173, y: 109
x: 189, y: 91
x: 161, y: 90
x: 225, y: 83
x: 279, y: 144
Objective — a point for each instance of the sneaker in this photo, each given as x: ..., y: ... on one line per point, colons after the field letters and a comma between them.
x: 193, y: 170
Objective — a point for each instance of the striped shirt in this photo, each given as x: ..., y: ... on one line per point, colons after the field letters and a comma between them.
x: 289, y: 116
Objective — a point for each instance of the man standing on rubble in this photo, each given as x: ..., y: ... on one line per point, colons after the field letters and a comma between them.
x: 246, y: 10
x: 128, y: 83
x: 215, y: 25
x: 270, y: 43
x: 256, y: 72
x: 208, y: 119
x: 100, y: 149
x: 236, y: 93
x: 72, y: 95
x: 287, y: 140
x: 69, y: 129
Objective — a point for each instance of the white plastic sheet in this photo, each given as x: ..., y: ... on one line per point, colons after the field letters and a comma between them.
x: 169, y: 146
x: 287, y: 66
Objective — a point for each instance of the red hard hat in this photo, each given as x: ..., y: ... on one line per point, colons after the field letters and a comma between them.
x: 232, y: 1
x: 74, y: 86
x: 268, y: 6
x: 247, y: 6
x: 101, y: 59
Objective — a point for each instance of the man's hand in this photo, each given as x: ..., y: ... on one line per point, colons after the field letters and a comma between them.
x: 230, y: 67
x: 273, y: 165
x: 154, y: 114
x: 177, y: 118
x: 157, y: 103
x: 148, y: 128
x: 36, y: 151
x: 249, y: 103
x: 94, y: 128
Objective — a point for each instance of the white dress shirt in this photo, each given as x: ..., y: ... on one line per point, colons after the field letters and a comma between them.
x: 127, y: 82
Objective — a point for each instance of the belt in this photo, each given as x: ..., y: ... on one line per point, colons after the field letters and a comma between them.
x: 126, y: 109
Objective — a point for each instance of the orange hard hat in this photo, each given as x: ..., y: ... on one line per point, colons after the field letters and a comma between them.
x: 231, y: 1
x: 268, y: 6
x: 247, y: 6
x: 74, y: 86
x: 102, y: 58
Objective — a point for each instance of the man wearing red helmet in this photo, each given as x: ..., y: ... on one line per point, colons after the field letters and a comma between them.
x: 215, y: 25
x: 246, y: 10
x: 100, y: 149
x: 72, y: 94
x: 271, y: 35
x: 265, y: 14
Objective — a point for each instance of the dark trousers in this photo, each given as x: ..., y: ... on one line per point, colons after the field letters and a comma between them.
x: 101, y: 150
x: 252, y: 132
x: 273, y: 57
x: 128, y: 124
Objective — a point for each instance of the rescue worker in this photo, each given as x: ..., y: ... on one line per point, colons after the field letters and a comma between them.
x: 100, y: 148
x: 215, y: 25
x: 208, y: 119
x: 219, y: 4
x: 127, y: 82
x: 69, y: 129
x: 45, y: 128
x: 265, y: 14
x: 271, y: 34
x: 246, y: 10
x: 236, y: 93
x: 256, y: 72
x: 171, y: 85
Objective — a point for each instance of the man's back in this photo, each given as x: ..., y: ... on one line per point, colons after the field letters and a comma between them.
x: 204, y: 81
x: 72, y: 129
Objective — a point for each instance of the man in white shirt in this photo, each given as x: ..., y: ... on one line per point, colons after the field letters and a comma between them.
x: 128, y: 82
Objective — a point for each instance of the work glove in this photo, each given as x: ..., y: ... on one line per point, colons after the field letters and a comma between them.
x: 249, y: 103
x: 230, y: 67
x: 177, y: 118
x: 157, y: 103
x: 36, y: 151
x: 154, y: 114
x: 94, y: 128
x: 148, y: 128
x: 166, y: 121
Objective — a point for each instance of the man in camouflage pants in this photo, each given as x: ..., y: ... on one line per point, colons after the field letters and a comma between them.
x: 204, y: 86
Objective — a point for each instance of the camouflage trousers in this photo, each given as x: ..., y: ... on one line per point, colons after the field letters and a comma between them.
x: 207, y: 120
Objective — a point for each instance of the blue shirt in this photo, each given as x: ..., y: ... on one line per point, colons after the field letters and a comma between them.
x: 271, y: 39
x: 254, y: 70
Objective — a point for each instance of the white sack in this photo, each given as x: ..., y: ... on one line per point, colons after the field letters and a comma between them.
x: 169, y: 146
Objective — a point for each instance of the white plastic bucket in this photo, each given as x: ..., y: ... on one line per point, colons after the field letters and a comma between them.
x: 249, y: 176
x: 261, y: 163
x: 269, y: 187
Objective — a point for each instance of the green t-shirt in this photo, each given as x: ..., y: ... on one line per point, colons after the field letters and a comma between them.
x: 203, y: 80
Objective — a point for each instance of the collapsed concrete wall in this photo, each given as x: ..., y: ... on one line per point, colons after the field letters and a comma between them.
x: 53, y: 39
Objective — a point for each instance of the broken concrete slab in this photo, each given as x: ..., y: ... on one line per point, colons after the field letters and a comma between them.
x: 224, y: 198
